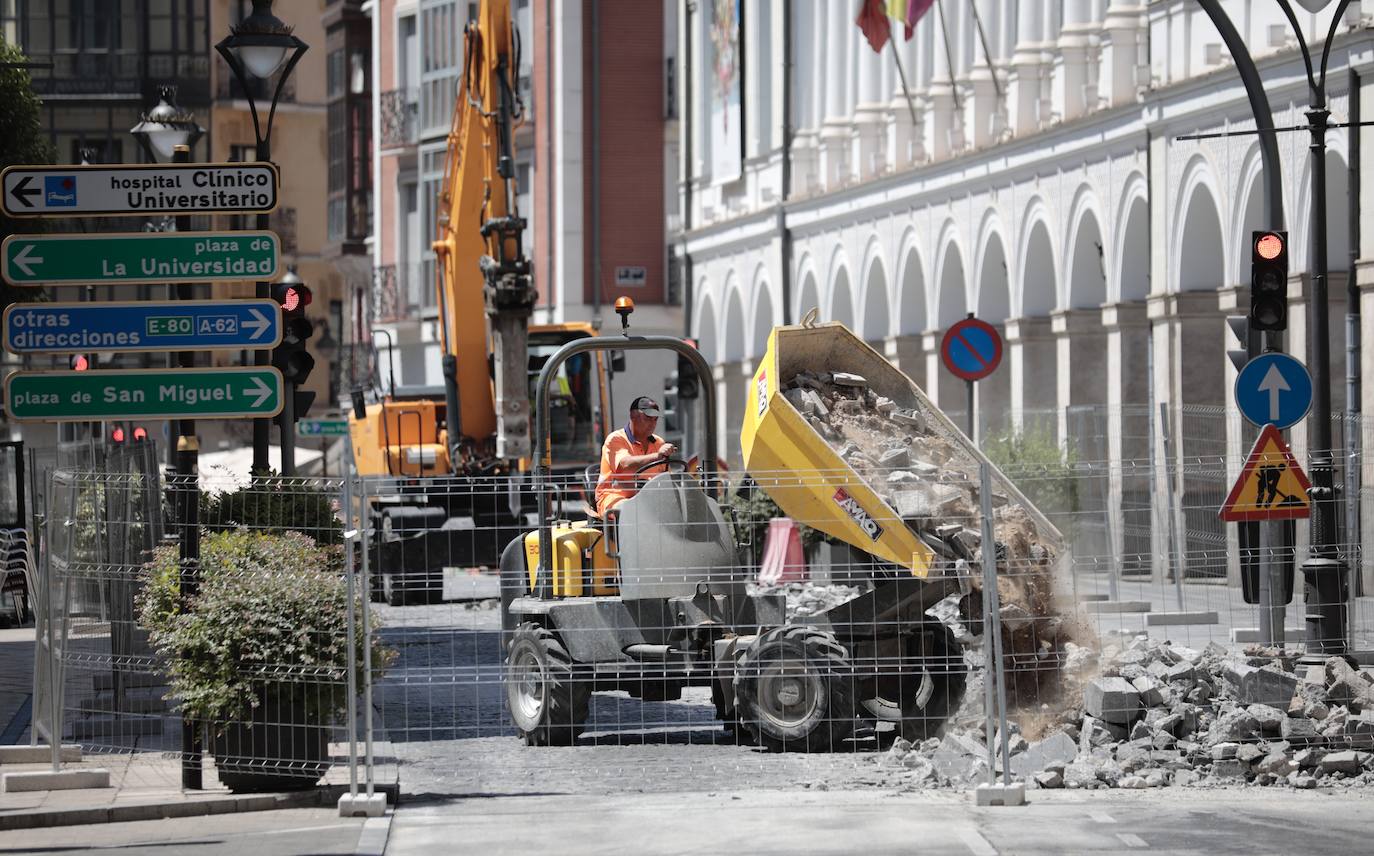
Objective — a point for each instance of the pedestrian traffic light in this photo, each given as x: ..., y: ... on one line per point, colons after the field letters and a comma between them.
x: 140, y: 434
x: 80, y: 362
x: 672, y: 421
x: 1269, y: 280
x: 688, y: 386
x: 117, y: 436
x: 291, y: 357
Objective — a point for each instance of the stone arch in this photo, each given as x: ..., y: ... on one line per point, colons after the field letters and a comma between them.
x: 1248, y: 215
x: 1132, y: 244
x: 951, y: 281
x: 1197, y: 233
x: 1037, y: 290
x: 808, y: 292
x: 763, y: 320
x: 993, y: 283
x: 841, y: 299
x: 839, y: 293
x: 912, y: 301
x: 876, y: 320
x: 1337, y: 215
x: 1085, y: 255
x: 704, y: 325
x: 732, y: 344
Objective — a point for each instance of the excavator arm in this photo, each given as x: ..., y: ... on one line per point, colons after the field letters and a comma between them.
x: 482, y: 274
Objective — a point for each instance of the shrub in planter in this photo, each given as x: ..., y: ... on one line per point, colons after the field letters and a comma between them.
x: 261, y: 652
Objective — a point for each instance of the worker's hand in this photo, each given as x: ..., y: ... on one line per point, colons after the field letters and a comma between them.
x: 667, y: 450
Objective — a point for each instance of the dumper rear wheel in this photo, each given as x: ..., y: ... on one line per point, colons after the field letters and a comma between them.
x: 795, y: 691
x: 547, y: 701
x: 934, y: 653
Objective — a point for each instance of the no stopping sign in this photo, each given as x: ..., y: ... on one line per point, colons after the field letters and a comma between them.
x: 971, y: 349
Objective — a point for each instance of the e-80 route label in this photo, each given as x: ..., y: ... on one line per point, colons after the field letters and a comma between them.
x: 141, y: 257
x: 224, y: 393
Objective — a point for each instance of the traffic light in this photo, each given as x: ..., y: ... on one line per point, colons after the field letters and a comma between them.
x: 140, y: 434
x: 1269, y: 280
x: 291, y: 357
x: 672, y: 417
x: 688, y: 385
x: 117, y: 436
x: 79, y: 362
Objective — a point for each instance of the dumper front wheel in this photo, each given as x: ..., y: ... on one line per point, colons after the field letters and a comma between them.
x: 547, y: 701
x: 795, y: 691
x: 940, y: 659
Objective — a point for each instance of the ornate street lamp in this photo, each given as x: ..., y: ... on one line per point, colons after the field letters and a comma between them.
x: 166, y: 126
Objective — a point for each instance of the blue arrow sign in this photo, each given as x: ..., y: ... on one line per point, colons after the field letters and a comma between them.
x: 1274, y: 389
x: 141, y: 326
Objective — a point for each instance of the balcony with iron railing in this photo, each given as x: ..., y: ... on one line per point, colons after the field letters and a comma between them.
x: 400, y: 118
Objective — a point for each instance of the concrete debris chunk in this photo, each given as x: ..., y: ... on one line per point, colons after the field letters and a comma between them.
x: 1347, y: 686
x: 848, y: 379
x: 1277, y: 764
x: 1269, y: 719
x: 1151, y: 691
x: 1049, y: 780
x: 895, y: 457
x: 1112, y: 700
x: 885, y: 406
x: 1348, y: 762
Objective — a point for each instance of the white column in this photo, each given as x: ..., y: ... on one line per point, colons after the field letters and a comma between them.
x: 984, y: 109
x: 755, y: 100
x: 1027, y: 68
x: 839, y: 64
x: 1123, y: 28
x: 904, y: 134
x: 810, y: 82
x: 866, y: 161
x: 1070, y: 73
x: 942, y: 132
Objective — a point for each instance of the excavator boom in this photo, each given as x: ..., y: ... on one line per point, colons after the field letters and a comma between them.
x: 484, y: 307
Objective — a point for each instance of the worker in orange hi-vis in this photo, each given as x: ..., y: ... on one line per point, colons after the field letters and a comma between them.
x: 626, y: 451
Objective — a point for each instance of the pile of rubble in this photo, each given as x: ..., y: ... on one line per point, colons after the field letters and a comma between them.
x: 1149, y: 714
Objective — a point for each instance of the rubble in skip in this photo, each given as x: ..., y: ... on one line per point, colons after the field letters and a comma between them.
x: 930, y: 481
x: 1144, y: 713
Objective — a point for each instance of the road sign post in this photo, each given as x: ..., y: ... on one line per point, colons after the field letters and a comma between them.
x: 183, y: 393
x: 971, y: 350
x: 109, y: 190
x: 166, y: 258
x: 141, y: 326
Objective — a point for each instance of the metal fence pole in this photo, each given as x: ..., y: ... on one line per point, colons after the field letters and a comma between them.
x: 1171, y: 495
x: 350, y: 534
x: 992, y: 630
x: 367, y: 642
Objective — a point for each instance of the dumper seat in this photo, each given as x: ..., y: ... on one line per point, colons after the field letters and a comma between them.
x: 672, y: 536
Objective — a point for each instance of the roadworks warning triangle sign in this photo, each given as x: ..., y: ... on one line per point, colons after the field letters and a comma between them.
x: 1271, y: 485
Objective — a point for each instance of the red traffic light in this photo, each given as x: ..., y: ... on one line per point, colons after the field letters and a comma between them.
x: 117, y: 435
x: 1268, y: 246
x: 292, y: 297
x: 140, y: 433
x: 80, y: 363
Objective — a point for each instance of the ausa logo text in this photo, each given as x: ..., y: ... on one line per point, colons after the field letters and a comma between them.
x: 856, y: 511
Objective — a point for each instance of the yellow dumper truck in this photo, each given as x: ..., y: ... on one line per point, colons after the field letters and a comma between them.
x: 655, y: 598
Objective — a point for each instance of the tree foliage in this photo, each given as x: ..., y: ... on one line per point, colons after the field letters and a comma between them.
x: 22, y: 141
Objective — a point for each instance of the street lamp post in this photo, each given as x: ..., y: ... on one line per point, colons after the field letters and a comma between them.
x: 1325, y: 578
x: 1324, y: 574
x: 258, y: 46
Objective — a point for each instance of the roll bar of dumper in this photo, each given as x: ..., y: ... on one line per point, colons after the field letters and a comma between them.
x: 543, y: 466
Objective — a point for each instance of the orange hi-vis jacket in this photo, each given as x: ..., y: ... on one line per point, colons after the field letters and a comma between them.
x: 617, y: 483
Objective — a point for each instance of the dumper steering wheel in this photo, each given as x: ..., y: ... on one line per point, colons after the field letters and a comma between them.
x: 664, y: 462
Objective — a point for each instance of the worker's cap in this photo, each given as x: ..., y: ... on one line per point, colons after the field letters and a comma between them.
x: 646, y: 405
